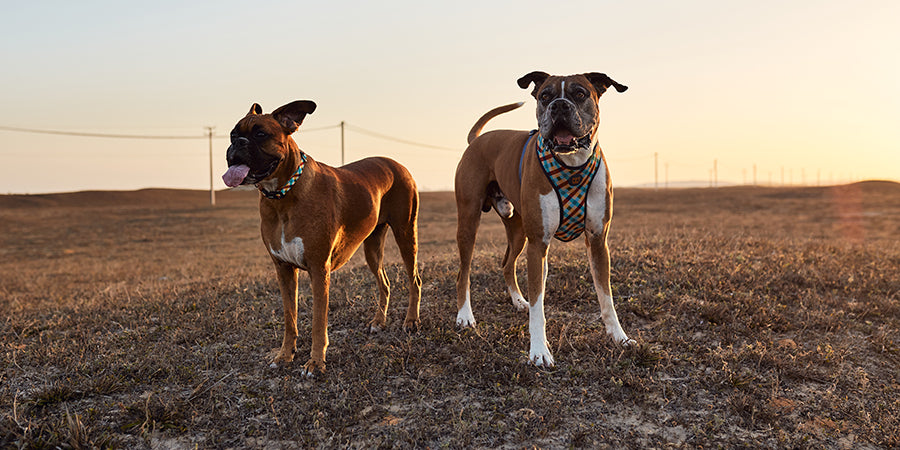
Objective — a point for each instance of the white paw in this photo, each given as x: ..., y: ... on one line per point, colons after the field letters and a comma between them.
x: 374, y: 329
x: 464, y: 317
x: 518, y: 301
x: 541, y: 358
x: 621, y: 338
x: 465, y: 322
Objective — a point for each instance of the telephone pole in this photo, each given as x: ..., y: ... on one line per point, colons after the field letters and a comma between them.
x: 656, y: 171
x: 716, y: 172
x: 212, y: 192
x: 342, y: 142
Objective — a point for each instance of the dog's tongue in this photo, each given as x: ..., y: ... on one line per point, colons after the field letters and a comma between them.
x: 563, y: 137
x: 235, y: 175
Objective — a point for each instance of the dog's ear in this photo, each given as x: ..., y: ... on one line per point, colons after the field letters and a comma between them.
x: 255, y: 109
x: 537, y: 78
x: 290, y: 116
x: 602, y: 82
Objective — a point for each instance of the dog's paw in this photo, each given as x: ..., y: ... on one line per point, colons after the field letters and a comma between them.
x: 628, y: 342
x: 411, y: 326
x: 279, y: 357
x: 465, y: 321
x: 518, y: 301
x: 313, y: 368
x: 541, y: 359
x: 464, y: 317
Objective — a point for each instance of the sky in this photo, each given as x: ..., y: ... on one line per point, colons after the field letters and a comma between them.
x: 796, y: 92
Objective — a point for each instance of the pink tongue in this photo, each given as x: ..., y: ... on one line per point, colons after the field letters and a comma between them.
x: 235, y: 175
x: 564, y: 138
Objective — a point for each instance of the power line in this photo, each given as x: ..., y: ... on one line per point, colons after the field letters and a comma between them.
x: 402, y: 141
x: 99, y: 135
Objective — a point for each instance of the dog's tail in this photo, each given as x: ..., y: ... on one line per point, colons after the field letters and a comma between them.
x: 476, y: 129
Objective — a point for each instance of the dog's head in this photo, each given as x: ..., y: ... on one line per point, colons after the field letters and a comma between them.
x: 568, y: 112
x: 259, y: 142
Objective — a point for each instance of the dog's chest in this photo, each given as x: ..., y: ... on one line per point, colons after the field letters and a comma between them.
x: 597, y: 201
x: 288, y: 251
x: 595, y: 207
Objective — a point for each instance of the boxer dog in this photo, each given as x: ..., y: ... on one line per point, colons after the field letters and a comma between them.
x: 314, y: 217
x: 549, y: 183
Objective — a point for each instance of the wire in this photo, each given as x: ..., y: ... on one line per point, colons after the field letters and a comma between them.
x: 402, y: 141
x: 328, y: 127
x: 99, y: 135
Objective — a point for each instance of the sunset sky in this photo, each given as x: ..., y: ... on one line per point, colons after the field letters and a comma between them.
x: 810, y: 89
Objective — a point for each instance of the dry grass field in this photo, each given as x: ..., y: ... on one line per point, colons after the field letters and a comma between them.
x: 766, y: 318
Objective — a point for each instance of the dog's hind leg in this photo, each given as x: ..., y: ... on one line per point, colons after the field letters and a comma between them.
x: 374, y: 249
x: 515, y: 242
x: 468, y: 219
x: 407, y: 241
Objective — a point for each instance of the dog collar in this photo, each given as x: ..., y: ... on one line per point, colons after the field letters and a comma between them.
x: 571, y: 185
x: 279, y: 194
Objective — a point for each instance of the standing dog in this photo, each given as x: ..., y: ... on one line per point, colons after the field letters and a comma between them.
x: 314, y: 217
x: 552, y: 183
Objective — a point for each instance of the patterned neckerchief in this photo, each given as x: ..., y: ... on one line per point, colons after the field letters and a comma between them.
x: 279, y: 194
x: 571, y: 185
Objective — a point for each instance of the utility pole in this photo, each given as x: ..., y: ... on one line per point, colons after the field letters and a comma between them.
x: 656, y: 171
x: 212, y: 192
x: 716, y: 172
x: 342, y: 142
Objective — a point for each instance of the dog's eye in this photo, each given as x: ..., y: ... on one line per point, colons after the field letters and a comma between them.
x: 260, y: 135
x: 580, y: 95
x: 545, y: 96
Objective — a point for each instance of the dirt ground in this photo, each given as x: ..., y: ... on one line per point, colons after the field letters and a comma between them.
x: 765, y: 317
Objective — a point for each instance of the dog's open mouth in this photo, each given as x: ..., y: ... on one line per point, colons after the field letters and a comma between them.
x: 239, y: 174
x: 563, y: 138
x: 236, y: 175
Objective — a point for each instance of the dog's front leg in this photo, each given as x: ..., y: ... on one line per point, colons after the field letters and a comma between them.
x: 320, y: 278
x: 536, y: 255
x: 598, y: 252
x: 287, y: 283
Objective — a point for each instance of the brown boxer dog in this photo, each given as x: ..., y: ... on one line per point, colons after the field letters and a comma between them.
x: 314, y: 217
x: 505, y: 169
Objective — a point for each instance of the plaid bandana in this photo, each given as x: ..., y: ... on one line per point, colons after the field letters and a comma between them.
x: 571, y: 185
x: 279, y: 194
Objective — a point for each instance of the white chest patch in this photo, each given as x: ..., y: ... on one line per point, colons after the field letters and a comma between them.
x: 290, y: 252
x: 596, y: 201
x: 550, y: 214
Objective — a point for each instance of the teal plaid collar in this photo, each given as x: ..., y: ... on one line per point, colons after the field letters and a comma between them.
x: 279, y: 194
x: 571, y: 185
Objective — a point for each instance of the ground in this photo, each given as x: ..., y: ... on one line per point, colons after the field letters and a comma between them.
x: 765, y: 318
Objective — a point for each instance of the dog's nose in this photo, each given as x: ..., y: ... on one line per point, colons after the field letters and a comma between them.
x: 559, y: 107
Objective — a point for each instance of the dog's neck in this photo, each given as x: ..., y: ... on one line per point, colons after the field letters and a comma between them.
x: 284, y: 178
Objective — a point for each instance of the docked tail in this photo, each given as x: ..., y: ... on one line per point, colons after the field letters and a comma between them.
x: 476, y: 129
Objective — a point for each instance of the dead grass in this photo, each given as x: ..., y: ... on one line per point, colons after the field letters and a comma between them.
x: 766, y: 318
